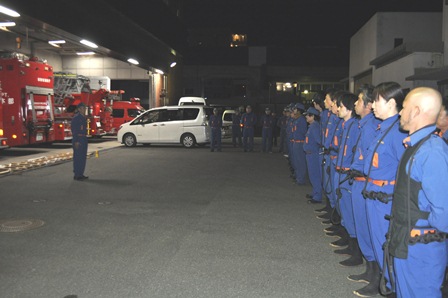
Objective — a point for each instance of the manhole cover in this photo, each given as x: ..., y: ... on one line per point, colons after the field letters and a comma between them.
x: 19, y: 225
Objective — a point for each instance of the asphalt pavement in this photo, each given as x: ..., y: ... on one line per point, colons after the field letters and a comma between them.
x: 165, y: 221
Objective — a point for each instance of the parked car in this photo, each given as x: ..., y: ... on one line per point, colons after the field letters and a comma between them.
x: 191, y: 100
x: 186, y: 125
x: 227, y: 123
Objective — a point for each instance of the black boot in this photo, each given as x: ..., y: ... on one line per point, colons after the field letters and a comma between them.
x: 341, y: 242
x: 363, y: 277
x: 373, y: 288
x: 333, y: 229
x: 356, y: 254
x: 325, y: 209
x: 325, y: 216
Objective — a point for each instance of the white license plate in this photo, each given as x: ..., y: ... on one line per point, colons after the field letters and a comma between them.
x: 39, y: 137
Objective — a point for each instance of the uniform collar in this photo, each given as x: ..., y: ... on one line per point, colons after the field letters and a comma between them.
x: 387, y: 123
x: 365, y: 119
x: 414, y: 138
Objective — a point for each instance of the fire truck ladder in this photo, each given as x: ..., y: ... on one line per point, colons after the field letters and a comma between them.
x: 65, y: 84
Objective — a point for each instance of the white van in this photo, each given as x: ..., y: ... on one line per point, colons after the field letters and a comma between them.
x: 186, y: 125
x: 191, y: 100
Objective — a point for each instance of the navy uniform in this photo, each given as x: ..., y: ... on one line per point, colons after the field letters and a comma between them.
x: 267, y: 123
x: 327, y: 140
x: 380, y: 168
x: 281, y: 123
x: 343, y: 189
x: 215, y: 124
x: 248, y: 120
x: 298, y: 161
x: 79, y: 142
x: 368, y: 130
x: 312, y: 147
x: 333, y: 155
x: 236, y: 129
x: 420, y: 216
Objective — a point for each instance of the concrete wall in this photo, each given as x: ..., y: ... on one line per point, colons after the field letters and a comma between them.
x: 8, y: 43
x: 363, y: 47
x: 377, y: 37
x: 411, y: 26
x: 103, y: 66
x: 398, y: 70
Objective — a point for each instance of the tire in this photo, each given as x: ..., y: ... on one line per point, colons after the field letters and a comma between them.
x: 129, y: 140
x: 188, y: 140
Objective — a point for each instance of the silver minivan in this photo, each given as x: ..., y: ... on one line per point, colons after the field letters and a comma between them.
x: 186, y: 125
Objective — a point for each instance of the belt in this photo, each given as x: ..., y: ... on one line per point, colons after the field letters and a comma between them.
x: 333, y: 157
x: 81, y: 135
x: 360, y: 178
x: 419, y: 232
x: 342, y: 169
x: 426, y: 236
x: 298, y: 141
x: 381, y: 182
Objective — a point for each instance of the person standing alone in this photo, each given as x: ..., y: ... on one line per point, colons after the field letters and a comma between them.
x: 248, y: 120
x: 79, y: 142
x: 267, y: 122
x: 215, y: 123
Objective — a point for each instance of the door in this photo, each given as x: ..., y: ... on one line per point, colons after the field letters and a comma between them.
x: 171, y: 128
x: 147, y: 127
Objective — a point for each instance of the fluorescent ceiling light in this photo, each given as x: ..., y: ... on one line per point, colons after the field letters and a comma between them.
x: 133, y: 61
x: 7, y: 24
x: 9, y: 12
x: 159, y: 71
x: 56, y: 43
x: 85, y: 53
x: 89, y: 43
x: 173, y: 64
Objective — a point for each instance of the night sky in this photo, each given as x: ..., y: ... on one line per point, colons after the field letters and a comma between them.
x: 295, y: 22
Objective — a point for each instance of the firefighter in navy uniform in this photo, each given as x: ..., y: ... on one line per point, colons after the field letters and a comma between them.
x: 419, y: 219
x: 267, y: 123
x: 236, y: 128
x: 380, y: 168
x: 215, y: 124
x: 79, y: 142
x: 248, y: 120
x: 312, y: 147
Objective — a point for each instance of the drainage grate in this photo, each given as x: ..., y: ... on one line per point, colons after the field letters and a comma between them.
x: 19, y: 225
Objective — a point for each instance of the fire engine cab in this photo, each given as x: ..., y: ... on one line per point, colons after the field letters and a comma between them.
x: 28, y: 108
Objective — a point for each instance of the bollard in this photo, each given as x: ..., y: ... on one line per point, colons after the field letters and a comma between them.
x: 96, y: 153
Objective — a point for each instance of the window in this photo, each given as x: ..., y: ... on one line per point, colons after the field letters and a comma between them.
x: 118, y: 113
x: 190, y: 114
x: 134, y: 112
x: 170, y: 115
x: 228, y: 117
x: 150, y: 117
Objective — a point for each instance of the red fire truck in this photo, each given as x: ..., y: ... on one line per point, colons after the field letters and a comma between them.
x: 106, y: 109
x: 124, y: 111
x: 71, y: 90
x: 28, y: 110
x: 3, y: 141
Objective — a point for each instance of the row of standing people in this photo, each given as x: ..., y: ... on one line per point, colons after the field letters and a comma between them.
x: 383, y: 171
x: 243, y: 129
